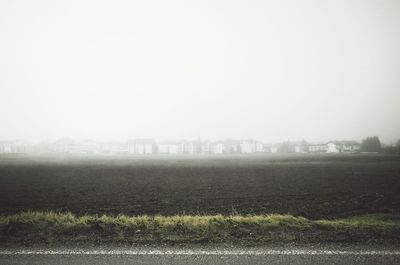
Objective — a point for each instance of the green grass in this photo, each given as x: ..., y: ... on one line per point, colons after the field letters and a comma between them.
x: 52, y: 227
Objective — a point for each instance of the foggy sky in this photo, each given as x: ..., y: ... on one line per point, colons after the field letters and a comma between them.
x: 270, y: 70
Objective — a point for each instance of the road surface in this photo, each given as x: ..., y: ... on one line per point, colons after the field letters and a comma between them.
x: 199, y: 256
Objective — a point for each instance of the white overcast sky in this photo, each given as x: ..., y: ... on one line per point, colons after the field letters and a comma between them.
x: 269, y: 70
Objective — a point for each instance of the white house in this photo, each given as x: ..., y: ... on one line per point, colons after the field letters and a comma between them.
x: 86, y: 147
x: 173, y: 147
x: 6, y: 147
x: 273, y: 149
x: 206, y: 147
x: 351, y: 146
x: 334, y: 147
x: 15, y: 147
x: 301, y: 147
x: 343, y: 147
x: 317, y: 148
x: 217, y: 147
x: 192, y: 147
x: 251, y: 146
x: 64, y: 145
x: 141, y: 147
x: 259, y: 147
x: 113, y: 148
x: 247, y: 147
x: 231, y: 146
x: 163, y: 148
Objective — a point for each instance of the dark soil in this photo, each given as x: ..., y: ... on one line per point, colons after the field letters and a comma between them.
x: 310, y: 186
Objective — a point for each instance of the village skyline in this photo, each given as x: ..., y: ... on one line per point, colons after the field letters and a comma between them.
x: 146, y: 146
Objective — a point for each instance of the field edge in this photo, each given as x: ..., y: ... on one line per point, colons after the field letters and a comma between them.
x: 52, y: 228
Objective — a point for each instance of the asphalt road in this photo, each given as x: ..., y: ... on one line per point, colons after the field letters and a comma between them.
x: 196, y: 257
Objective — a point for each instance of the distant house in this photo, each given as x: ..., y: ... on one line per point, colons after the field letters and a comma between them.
x: 217, y: 147
x: 317, y: 148
x: 273, y: 149
x: 141, y: 146
x: 351, y: 146
x: 176, y: 147
x: 221, y: 147
x: 15, y: 147
x: 83, y: 147
x: 232, y: 146
x: 301, y: 147
x: 206, y: 147
x: 6, y: 147
x: 64, y: 145
x: 114, y: 148
x: 251, y: 146
x: 334, y: 147
x: 163, y: 148
x: 247, y: 147
x: 43, y: 147
x: 192, y: 147
x: 259, y: 147
x: 343, y: 147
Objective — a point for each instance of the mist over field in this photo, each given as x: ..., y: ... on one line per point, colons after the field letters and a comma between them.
x: 268, y: 70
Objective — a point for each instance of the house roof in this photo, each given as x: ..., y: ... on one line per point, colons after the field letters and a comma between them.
x: 344, y: 142
x: 317, y: 144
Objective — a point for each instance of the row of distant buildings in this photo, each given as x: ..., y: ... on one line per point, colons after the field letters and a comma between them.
x: 150, y: 146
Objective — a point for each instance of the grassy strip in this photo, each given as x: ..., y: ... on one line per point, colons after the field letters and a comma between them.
x: 51, y: 227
